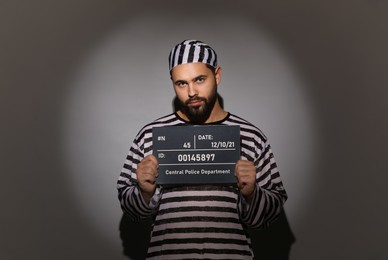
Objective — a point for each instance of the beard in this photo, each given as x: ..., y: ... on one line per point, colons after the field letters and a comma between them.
x: 199, y: 114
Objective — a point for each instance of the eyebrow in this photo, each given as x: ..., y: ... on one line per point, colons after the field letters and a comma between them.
x: 180, y: 81
x: 194, y: 79
x: 199, y: 77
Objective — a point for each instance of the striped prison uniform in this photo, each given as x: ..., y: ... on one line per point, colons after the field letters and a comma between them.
x: 204, y: 221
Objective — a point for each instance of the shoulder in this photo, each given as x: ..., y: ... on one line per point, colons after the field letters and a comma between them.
x: 246, y: 127
x: 170, y: 119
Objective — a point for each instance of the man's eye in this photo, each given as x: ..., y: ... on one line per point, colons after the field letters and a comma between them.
x: 200, y: 80
x: 181, y: 84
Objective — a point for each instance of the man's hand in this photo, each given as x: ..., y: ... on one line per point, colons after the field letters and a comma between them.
x: 147, y: 172
x: 245, y: 173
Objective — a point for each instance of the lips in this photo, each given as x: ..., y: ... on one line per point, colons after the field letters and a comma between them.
x: 195, y: 102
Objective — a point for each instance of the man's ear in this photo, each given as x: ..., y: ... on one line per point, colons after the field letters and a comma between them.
x: 218, y: 75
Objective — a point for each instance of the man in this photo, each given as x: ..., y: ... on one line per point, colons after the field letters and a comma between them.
x: 201, y: 221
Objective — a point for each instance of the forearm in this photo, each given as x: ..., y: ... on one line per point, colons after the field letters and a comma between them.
x: 135, y: 205
x: 262, y: 208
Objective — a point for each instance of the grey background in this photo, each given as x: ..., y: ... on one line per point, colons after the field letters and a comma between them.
x: 54, y: 120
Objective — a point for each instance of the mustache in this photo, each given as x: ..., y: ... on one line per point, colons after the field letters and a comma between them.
x: 194, y: 99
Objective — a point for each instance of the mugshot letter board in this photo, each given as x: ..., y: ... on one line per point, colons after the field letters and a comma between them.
x: 196, y: 154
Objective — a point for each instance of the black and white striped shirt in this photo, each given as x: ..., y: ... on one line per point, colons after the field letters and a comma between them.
x: 204, y: 221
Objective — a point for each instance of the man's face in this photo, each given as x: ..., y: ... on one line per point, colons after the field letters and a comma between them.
x: 196, y: 88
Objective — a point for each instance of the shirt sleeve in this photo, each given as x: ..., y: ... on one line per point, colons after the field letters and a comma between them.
x: 129, y: 194
x: 269, y: 195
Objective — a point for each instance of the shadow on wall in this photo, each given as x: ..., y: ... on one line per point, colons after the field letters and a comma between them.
x: 272, y: 243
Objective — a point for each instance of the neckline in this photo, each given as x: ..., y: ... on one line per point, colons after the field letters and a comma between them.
x: 210, y: 123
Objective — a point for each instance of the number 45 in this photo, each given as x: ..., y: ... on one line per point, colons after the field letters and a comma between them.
x: 187, y: 145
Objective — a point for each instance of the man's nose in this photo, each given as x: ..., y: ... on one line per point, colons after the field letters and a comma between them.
x: 192, y: 90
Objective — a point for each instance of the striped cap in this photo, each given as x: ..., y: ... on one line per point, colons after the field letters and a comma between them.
x: 190, y: 51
